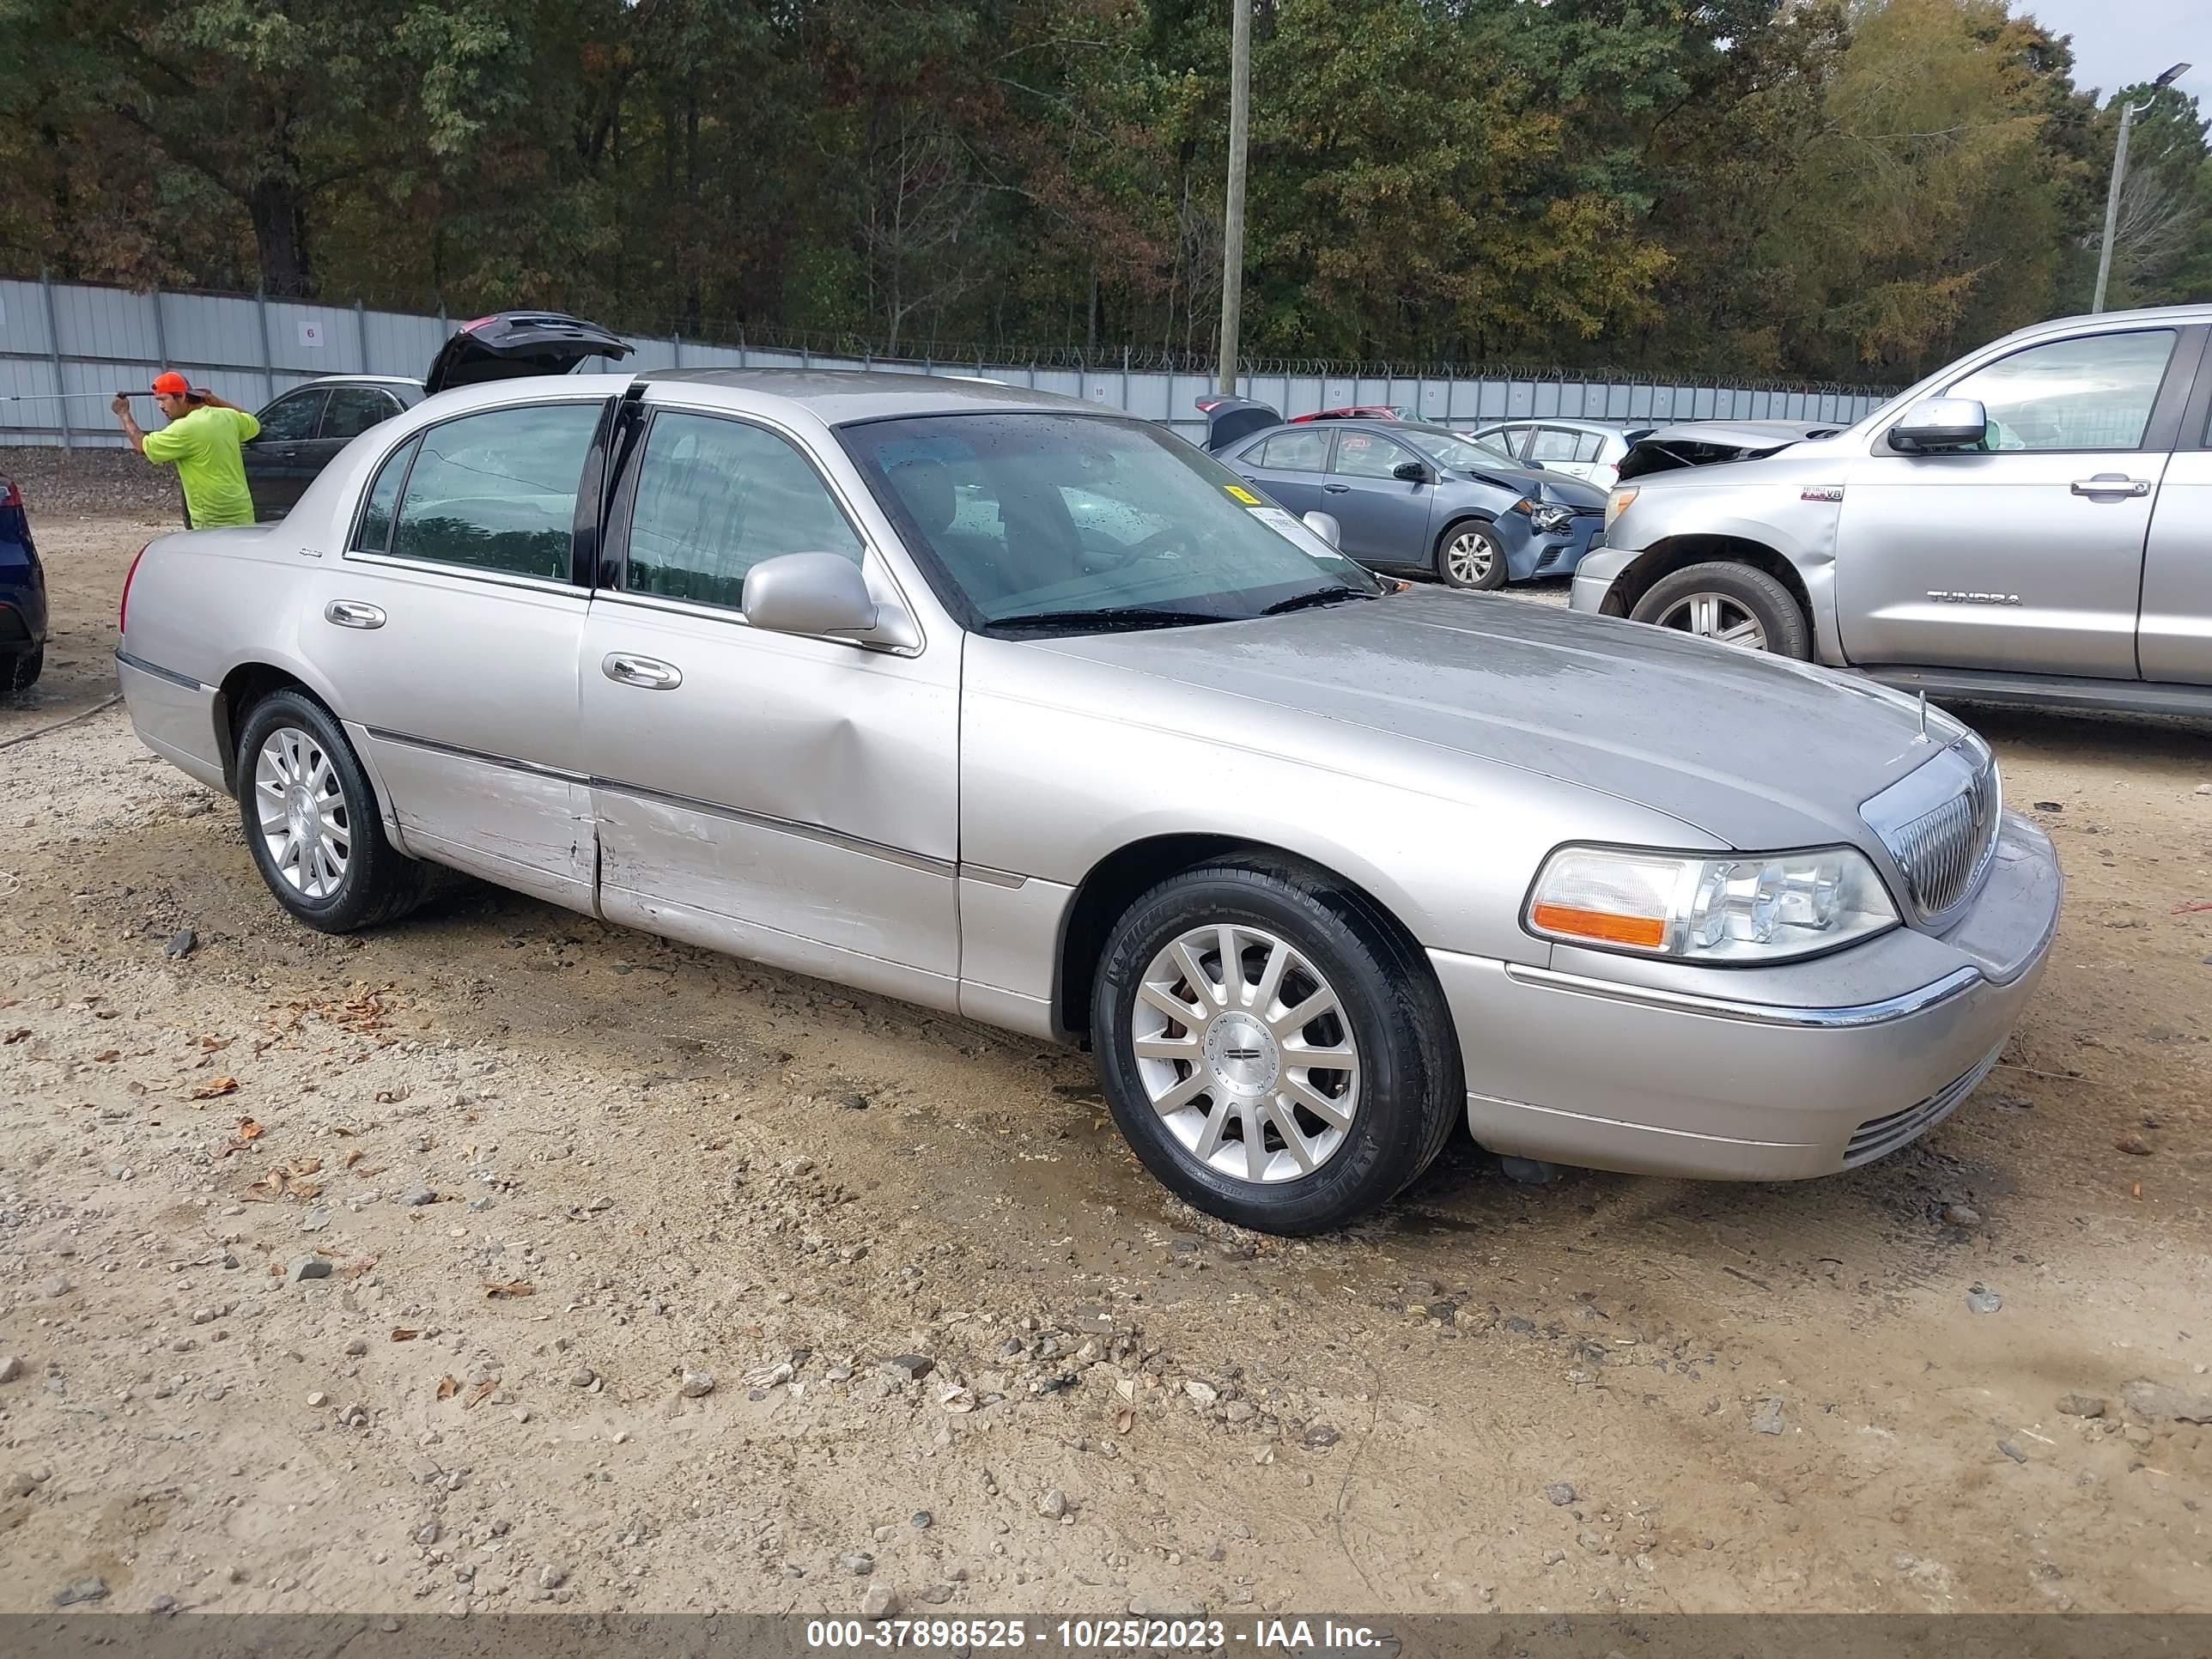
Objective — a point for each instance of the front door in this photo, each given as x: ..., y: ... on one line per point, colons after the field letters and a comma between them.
x: 1289, y: 467
x: 277, y: 469
x: 2025, y: 554
x: 1385, y: 519
x: 453, y: 623
x: 787, y: 798
x: 2175, y: 643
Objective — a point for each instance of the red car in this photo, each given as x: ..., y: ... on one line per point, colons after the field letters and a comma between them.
x: 1360, y: 412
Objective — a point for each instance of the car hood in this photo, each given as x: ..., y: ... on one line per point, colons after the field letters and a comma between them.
x: 1756, y: 751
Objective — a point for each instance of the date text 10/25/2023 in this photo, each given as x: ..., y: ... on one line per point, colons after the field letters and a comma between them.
x: 1303, y: 1636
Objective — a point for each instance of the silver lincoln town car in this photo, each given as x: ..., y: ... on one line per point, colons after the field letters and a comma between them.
x: 1006, y: 706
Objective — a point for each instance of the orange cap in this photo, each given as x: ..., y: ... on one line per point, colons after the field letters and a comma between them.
x: 172, y: 384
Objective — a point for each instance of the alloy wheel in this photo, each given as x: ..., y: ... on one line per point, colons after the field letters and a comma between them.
x: 1715, y: 617
x: 1243, y: 1050
x: 301, y: 809
x: 1469, y: 555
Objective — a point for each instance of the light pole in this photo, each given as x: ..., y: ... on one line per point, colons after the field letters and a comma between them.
x: 2128, y: 113
x: 1232, y: 240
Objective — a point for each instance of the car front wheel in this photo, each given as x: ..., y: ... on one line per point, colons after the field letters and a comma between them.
x: 311, y: 819
x: 1470, y: 555
x: 1737, y: 604
x: 20, y: 672
x: 1272, y: 1048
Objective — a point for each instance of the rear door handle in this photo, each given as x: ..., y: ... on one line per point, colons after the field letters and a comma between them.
x: 1338, y: 489
x: 353, y: 613
x: 2112, y: 483
x: 647, y: 673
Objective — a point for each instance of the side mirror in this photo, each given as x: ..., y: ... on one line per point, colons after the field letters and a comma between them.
x: 809, y: 593
x: 1325, y: 525
x: 1411, y: 471
x: 1940, y: 423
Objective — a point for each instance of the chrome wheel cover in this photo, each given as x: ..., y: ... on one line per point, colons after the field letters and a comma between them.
x: 301, y: 810
x: 1243, y: 1050
x: 1469, y: 555
x: 1714, y: 616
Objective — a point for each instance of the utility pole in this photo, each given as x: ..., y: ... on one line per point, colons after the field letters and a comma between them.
x: 1232, y: 241
x: 2128, y: 113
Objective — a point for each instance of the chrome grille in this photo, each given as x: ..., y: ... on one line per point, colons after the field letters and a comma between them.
x: 1941, y: 849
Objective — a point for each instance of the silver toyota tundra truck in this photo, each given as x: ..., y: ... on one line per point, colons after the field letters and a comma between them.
x: 2032, y: 525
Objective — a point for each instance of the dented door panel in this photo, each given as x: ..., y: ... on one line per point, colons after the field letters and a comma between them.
x: 784, y: 795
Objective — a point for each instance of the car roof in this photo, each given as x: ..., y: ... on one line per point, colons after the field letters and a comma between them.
x: 362, y: 380
x: 1573, y: 423
x: 842, y: 396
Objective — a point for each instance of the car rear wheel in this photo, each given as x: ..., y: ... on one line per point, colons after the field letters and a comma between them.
x: 1272, y: 1048
x: 312, y: 822
x: 20, y: 672
x: 1736, y: 604
x: 1469, y: 555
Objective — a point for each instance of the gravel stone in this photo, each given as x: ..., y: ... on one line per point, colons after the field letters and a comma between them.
x: 49, y: 1287
x: 84, y: 1589
x: 552, y: 1577
x: 910, y: 1367
x: 1961, y: 1215
x: 11, y: 1368
x: 357, y: 1346
x: 2081, y: 1405
x: 305, y: 1267
x: 698, y: 1384
x: 1767, y: 1419
x: 414, y: 1197
x: 858, y: 1563
x: 2012, y: 1451
x: 1053, y: 1504
x: 1561, y: 1493
x: 1983, y: 1302
x: 879, y: 1601
x: 180, y: 943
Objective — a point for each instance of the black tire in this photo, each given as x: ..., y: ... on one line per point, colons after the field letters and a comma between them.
x: 1782, y: 621
x: 1411, y: 1094
x: 380, y: 883
x: 20, y: 672
x: 1450, y: 569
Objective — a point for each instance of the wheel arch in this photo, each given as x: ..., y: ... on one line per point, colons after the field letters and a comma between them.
x: 1117, y: 880
x: 1663, y: 558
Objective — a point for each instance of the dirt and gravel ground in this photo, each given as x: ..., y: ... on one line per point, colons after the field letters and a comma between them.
x: 392, y: 1272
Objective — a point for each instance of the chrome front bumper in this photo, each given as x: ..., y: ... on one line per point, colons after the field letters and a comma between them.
x: 1715, y: 1075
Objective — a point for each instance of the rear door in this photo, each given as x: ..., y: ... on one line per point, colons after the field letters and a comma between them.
x: 2175, y: 640
x: 2026, y: 554
x: 1290, y: 466
x: 278, y: 461
x: 348, y: 411
x: 452, y: 626
x: 1385, y: 519
x: 1565, y: 450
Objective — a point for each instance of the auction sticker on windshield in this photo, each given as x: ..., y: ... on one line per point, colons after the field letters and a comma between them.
x: 1243, y: 494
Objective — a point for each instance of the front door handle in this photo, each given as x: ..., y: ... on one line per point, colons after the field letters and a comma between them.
x: 647, y: 673
x: 2112, y: 483
x: 353, y: 613
x: 1338, y: 489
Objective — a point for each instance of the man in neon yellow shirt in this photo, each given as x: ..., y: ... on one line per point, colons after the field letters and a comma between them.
x: 201, y: 442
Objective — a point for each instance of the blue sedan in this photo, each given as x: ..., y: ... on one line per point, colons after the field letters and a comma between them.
x: 1409, y: 497
x: 22, y: 598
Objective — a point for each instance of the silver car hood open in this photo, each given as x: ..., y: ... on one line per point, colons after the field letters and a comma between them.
x: 1756, y: 751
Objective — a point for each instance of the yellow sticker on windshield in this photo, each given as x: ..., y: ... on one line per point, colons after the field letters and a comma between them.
x: 1243, y: 494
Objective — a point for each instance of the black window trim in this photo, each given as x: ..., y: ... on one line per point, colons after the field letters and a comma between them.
x: 612, y: 574
x: 2196, y: 415
x: 472, y: 572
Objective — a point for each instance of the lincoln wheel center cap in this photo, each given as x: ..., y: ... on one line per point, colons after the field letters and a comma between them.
x: 1242, y: 1054
x: 305, y: 818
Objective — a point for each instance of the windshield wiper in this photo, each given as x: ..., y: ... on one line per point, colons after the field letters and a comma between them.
x: 1320, y: 596
x: 1122, y: 618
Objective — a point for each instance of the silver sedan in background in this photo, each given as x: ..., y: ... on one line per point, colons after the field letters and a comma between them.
x: 1011, y: 707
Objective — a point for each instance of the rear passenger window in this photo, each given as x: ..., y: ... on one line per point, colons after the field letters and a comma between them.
x: 292, y: 418
x: 714, y: 498
x: 497, y: 491
x: 1295, y: 451
x: 375, y: 532
x: 354, y: 408
x: 1554, y: 443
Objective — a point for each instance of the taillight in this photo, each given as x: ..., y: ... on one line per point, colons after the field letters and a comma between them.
x: 471, y: 327
x: 123, y: 610
x: 10, y: 495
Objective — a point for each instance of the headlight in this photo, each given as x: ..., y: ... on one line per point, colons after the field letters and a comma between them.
x: 1617, y: 503
x: 1551, y: 520
x: 1727, y: 909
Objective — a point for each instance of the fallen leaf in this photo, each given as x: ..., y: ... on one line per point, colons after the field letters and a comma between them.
x: 353, y: 1157
x: 1124, y: 1420
x: 354, y: 1270
x: 512, y: 1287
x: 215, y: 1045
x: 308, y: 1166
x: 17, y: 1034
x: 305, y: 1191
x: 373, y: 1169
x: 401, y: 1334
x: 221, y: 1086
x: 477, y: 1395
x: 106, y: 1054
x: 956, y: 1401
x: 248, y: 1128
x: 448, y: 1386
x: 343, y: 1135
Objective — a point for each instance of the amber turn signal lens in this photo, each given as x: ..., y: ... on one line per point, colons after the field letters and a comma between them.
x: 1646, y: 932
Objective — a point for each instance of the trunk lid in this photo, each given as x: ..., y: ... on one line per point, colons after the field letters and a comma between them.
x: 513, y: 344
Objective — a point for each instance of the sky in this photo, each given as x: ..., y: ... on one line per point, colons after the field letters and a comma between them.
x: 2118, y: 43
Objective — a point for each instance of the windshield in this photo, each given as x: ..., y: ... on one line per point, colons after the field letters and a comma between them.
x: 1079, y: 518
x: 1462, y: 454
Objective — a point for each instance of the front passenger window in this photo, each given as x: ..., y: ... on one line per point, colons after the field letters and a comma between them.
x: 1364, y: 455
x: 714, y: 498
x: 2093, y: 392
x: 497, y: 491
